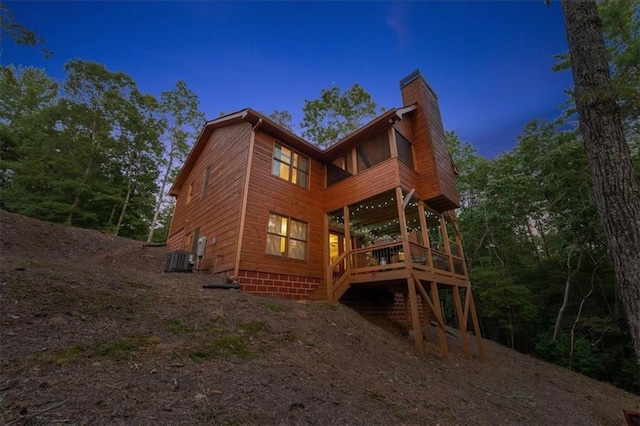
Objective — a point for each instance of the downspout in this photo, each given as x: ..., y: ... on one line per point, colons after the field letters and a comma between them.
x: 245, y: 196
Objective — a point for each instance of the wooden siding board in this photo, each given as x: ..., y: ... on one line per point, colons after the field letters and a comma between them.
x: 373, y: 181
x: 216, y: 214
x: 437, y: 179
x: 268, y: 193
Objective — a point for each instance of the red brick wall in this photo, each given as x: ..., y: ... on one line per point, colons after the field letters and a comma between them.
x: 282, y: 285
x: 390, y: 305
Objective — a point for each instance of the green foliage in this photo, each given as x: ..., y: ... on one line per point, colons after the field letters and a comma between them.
x: 89, y: 152
x: 283, y: 118
x: 525, y: 216
x: 621, y: 23
x: 180, y: 123
x: 18, y: 33
x: 334, y: 114
x: 508, y: 307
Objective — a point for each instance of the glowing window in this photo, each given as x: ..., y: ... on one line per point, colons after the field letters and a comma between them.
x: 286, y: 237
x: 290, y: 166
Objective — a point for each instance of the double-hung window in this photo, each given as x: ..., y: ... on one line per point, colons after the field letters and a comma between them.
x: 286, y: 237
x: 290, y: 166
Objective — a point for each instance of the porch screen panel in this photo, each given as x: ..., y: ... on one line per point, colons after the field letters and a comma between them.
x: 405, y: 154
x: 373, y: 151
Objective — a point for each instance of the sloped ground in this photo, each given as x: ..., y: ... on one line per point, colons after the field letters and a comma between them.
x: 92, y: 332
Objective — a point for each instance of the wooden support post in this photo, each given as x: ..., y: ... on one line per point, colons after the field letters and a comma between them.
x: 460, y: 247
x: 328, y: 272
x: 415, y: 315
x: 462, y: 322
x: 393, y: 148
x: 425, y: 234
x: 445, y: 240
x: 347, y: 239
x: 476, y: 325
x: 442, y: 332
x: 402, y: 221
x: 427, y: 318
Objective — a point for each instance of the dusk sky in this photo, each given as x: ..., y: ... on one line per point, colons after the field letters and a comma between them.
x: 489, y: 62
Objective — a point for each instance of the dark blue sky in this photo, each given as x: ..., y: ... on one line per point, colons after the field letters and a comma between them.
x: 489, y: 62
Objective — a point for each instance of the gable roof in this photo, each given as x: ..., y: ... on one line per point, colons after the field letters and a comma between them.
x: 284, y: 135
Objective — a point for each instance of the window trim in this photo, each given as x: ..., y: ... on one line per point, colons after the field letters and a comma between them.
x: 288, y: 238
x: 292, y: 168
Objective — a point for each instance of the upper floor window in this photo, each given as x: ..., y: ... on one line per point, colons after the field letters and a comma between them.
x: 286, y: 237
x: 405, y: 152
x: 290, y: 166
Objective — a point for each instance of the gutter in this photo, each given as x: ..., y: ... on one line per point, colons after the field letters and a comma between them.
x: 245, y: 197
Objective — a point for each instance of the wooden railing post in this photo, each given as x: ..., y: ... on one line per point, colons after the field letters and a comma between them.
x: 425, y: 233
x: 328, y: 273
x: 447, y: 246
x: 402, y: 221
x: 347, y: 237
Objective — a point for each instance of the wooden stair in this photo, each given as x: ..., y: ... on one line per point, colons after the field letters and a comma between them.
x: 320, y: 293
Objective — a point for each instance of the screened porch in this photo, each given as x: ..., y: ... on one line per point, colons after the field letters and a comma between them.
x: 389, y: 236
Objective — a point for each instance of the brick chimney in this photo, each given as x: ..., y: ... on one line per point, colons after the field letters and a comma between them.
x: 434, y: 163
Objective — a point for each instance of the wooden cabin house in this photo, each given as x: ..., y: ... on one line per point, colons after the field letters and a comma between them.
x: 368, y: 222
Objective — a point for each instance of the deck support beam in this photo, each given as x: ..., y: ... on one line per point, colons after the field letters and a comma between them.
x: 434, y: 306
x: 476, y: 325
x: 462, y: 323
x: 442, y: 331
x: 415, y: 315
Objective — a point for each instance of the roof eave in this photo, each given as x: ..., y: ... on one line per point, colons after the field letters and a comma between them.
x: 389, y: 117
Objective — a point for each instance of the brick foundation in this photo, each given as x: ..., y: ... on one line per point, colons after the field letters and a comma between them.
x: 380, y: 303
x: 282, y: 285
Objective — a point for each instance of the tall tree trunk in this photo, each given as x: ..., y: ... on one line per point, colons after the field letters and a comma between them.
x: 615, y: 183
x: 160, y: 198
x: 113, y: 214
x: 85, y: 176
x: 567, y: 290
x: 124, y: 209
x: 540, y: 230
x: 127, y: 198
x: 77, y: 198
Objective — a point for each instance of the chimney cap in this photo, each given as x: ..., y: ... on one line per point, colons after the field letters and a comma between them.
x: 413, y: 76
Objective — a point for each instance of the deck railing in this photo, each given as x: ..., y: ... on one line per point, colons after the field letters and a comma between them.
x: 390, y: 256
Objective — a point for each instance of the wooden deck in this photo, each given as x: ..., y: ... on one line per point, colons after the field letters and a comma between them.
x: 424, y: 271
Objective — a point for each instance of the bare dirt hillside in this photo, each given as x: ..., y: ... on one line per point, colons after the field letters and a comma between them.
x: 92, y: 332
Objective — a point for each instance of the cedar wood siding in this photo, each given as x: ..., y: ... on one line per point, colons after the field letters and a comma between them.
x: 437, y: 179
x: 269, y: 193
x: 218, y: 214
x: 377, y: 179
x: 373, y: 181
